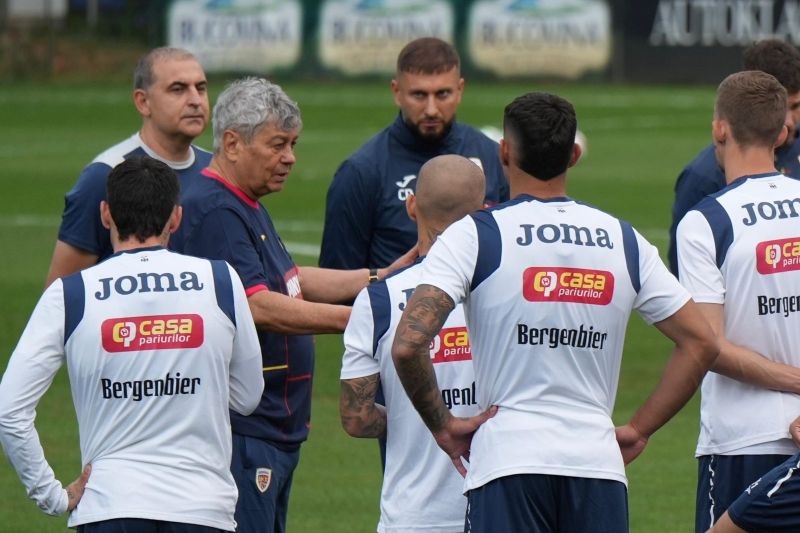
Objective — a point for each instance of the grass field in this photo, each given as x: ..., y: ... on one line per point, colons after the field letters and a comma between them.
x: 638, y: 140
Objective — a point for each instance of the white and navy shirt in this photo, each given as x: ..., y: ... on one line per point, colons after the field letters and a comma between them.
x: 81, y: 226
x: 422, y: 491
x: 741, y: 248
x: 158, y: 347
x: 548, y: 286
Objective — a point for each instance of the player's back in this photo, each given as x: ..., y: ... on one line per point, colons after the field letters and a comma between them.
x: 421, y: 489
x: 547, y: 308
x: 149, y: 343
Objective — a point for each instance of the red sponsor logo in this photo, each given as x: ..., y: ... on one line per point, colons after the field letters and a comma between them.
x: 778, y: 256
x: 578, y: 285
x: 156, y: 332
x: 451, y: 344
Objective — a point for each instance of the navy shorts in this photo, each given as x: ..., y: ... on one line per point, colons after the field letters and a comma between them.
x: 539, y: 503
x: 722, y: 478
x: 139, y: 525
x: 263, y: 475
x: 771, y: 504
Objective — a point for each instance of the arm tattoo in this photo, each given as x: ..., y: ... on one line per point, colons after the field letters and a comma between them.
x: 361, y: 417
x: 422, y: 320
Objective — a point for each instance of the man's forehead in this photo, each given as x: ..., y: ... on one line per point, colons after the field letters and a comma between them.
x: 430, y: 82
x: 169, y: 70
x: 274, y: 131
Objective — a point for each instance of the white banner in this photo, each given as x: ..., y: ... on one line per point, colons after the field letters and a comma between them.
x: 238, y: 35
x: 564, y: 38
x: 365, y: 36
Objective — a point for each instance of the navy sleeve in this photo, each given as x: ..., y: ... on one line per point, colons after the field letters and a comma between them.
x: 222, y: 234
x: 694, y: 183
x: 349, y: 218
x: 80, y: 223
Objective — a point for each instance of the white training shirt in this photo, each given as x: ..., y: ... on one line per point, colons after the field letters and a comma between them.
x: 422, y: 490
x: 158, y: 346
x: 548, y: 286
x: 741, y: 248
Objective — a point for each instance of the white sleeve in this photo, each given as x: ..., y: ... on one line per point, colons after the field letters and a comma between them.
x: 31, y: 369
x: 660, y: 295
x: 246, y: 374
x: 359, y: 358
x: 697, y: 260
x: 450, y: 264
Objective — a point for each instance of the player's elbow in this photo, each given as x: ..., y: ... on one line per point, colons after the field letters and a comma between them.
x: 352, y: 423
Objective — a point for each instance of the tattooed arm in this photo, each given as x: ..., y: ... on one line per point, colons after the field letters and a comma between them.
x: 423, y: 317
x: 361, y: 416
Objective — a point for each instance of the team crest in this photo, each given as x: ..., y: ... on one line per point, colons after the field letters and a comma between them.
x: 263, y: 478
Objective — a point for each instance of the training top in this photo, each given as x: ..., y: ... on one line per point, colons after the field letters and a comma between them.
x: 80, y: 223
x: 421, y: 487
x: 221, y: 222
x: 158, y: 346
x: 741, y: 248
x: 366, y: 224
x: 548, y: 286
x: 703, y: 176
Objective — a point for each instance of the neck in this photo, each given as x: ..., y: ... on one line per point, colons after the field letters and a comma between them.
x: 739, y: 162
x: 176, y: 148
x: 227, y: 171
x: 132, y: 243
x: 426, y: 236
x: 522, y: 183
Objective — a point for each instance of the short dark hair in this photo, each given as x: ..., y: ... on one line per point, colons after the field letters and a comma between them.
x: 542, y: 127
x: 778, y: 58
x: 143, y: 73
x: 141, y: 193
x: 427, y: 55
x: 754, y: 104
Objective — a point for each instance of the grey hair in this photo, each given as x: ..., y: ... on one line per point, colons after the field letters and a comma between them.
x: 248, y: 105
x: 143, y: 73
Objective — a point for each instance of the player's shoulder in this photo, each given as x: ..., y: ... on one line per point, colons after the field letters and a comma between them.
x: 116, y: 154
x: 704, y: 166
x: 373, y: 149
x: 474, y: 136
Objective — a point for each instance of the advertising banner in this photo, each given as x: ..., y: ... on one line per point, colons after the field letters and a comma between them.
x: 256, y: 36
x: 562, y: 38
x: 364, y: 36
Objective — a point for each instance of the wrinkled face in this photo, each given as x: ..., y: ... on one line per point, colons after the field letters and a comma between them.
x: 263, y: 164
x: 793, y: 117
x: 428, y: 102
x: 177, y: 101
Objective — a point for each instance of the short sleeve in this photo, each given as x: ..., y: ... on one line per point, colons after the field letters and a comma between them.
x: 222, y: 234
x: 660, y: 295
x: 81, y: 226
x: 697, y: 261
x: 360, y: 358
x: 450, y: 264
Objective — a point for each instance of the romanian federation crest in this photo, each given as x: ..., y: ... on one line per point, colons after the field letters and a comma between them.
x: 263, y: 478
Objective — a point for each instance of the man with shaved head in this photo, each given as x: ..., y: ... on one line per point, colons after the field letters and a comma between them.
x: 448, y: 188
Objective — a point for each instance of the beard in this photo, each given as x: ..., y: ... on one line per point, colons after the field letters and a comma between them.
x: 429, y: 137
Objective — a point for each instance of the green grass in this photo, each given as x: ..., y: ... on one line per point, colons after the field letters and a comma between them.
x: 639, y: 138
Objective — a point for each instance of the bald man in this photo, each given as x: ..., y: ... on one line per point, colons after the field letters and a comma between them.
x: 421, y: 489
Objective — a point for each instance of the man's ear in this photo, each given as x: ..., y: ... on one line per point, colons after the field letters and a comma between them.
x: 576, y: 155
x: 411, y: 206
x: 505, y: 152
x: 719, y: 131
x: 105, y: 215
x: 141, y: 102
x: 782, y: 136
x: 175, y: 219
x: 396, y: 92
x: 232, y: 144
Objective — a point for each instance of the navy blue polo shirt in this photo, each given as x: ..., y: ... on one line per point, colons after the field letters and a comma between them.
x: 703, y: 176
x: 221, y: 222
x: 81, y: 226
x: 366, y: 224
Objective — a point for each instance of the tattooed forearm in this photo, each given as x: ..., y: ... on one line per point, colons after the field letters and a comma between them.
x: 424, y: 316
x: 361, y: 417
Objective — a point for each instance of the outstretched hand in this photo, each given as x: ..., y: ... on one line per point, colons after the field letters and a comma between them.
x: 407, y: 259
x: 76, y: 488
x: 456, y: 437
x: 631, y: 442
